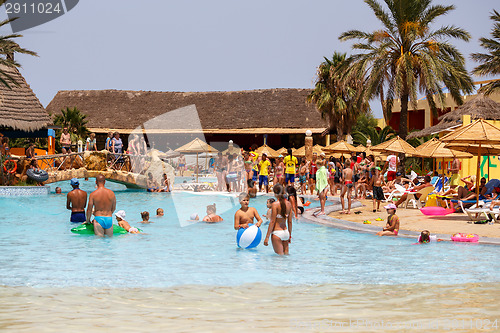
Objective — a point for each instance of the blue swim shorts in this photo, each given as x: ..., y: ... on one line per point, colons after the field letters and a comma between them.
x: 106, y: 222
x: 263, y: 180
x: 78, y: 217
x: 289, y: 177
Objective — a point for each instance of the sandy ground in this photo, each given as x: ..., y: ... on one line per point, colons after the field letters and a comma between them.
x: 413, y: 219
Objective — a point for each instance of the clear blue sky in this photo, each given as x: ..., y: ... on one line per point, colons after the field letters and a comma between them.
x: 200, y: 45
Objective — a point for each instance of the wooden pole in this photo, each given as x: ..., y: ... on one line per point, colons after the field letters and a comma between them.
x: 477, y: 173
x: 196, y: 168
x: 488, y: 167
x: 443, y: 174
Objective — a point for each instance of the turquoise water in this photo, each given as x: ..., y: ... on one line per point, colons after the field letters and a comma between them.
x: 40, y: 251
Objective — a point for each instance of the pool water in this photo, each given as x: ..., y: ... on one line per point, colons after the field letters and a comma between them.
x: 40, y: 251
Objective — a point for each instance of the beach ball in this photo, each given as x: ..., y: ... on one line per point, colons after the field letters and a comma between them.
x: 249, y: 237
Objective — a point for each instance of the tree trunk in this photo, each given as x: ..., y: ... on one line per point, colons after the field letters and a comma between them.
x: 403, y: 117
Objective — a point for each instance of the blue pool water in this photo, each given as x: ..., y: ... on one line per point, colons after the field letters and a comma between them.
x: 39, y: 249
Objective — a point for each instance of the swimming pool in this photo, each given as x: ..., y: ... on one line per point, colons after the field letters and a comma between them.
x: 40, y: 251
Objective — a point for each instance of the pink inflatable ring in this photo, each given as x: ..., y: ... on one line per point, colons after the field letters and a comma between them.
x: 436, y: 210
x: 460, y: 237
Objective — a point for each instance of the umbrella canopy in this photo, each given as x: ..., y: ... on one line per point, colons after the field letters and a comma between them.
x: 341, y: 147
x: 169, y: 154
x: 486, y: 150
x: 282, y: 151
x: 438, y: 149
x: 396, y: 145
x: 265, y: 149
x: 302, y: 150
x: 196, y: 146
x: 478, y: 133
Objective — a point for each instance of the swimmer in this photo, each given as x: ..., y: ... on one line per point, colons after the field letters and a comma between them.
x: 280, y: 227
x: 145, y: 218
x: 245, y: 215
x: 392, y: 226
x: 212, y: 217
x: 159, y: 212
x: 76, y: 202
x: 58, y: 190
x: 102, y: 202
x: 426, y: 237
x: 120, y: 217
x: 194, y: 217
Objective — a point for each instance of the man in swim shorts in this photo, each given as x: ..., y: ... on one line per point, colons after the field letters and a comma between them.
x: 103, y: 202
x: 347, y: 186
x: 76, y: 202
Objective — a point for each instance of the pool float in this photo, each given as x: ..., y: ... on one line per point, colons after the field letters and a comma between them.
x: 249, y: 237
x: 10, y: 168
x: 38, y: 175
x: 88, y: 229
x: 307, y: 203
x: 436, y: 211
x: 461, y: 237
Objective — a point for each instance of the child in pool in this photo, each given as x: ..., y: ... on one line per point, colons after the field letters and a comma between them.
x: 212, y: 217
x: 392, y: 226
x: 245, y: 215
x: 269, y: 208
x: 145, y: 218
x: 120, y: 217
x: 426, y: 237
x: 159, y: 212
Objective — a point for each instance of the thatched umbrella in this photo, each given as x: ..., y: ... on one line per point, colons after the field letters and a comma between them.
x: 196, y: 146
x: 302, y: 150
x: 282, y: 151
x: 265, y: 149
x: 437, y: 149
x: 395, y: 145
x: 478, y: 107
x: 341, y: 147
x: 471, y: 137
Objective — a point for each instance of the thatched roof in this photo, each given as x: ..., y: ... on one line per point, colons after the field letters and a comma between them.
x: 479, y: 107
x: 253, y: 111
x: 20, y: 109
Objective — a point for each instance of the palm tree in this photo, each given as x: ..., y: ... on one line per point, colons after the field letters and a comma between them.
x: 375, y: 135
x: 8, y: 48
x: 336, y: 98
x: 490, y: 61
x: 74, y: 120
x: 406, y: 58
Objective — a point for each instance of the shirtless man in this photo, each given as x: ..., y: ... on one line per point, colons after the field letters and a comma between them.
x: 182, y: 165
x: 245, y: 215
x: 76, y: 202
x: 303, y: 177
x: 65, y: 141
x: 378, y: 193
x: 103, y: 202
x: 347, y: 186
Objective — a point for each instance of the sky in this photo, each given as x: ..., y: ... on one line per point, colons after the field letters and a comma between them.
x: 200, y: 45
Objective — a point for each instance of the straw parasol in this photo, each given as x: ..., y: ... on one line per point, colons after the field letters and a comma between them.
x: 265, y: 149
x: 479, y: 133
x: 302, y: 150
x: 436, y: 149
x: 282, y: 151
x: 341, y: 147
x: 396, y: 145
x: 196, y: 146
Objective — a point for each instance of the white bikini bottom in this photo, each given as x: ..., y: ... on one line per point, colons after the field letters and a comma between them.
x: 284, y: 235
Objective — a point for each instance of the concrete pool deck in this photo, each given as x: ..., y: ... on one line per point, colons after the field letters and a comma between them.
x: 443, y: 227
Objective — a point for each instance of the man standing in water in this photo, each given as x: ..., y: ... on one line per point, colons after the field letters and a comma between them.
x: 77, y: 200
x: 104, y: 201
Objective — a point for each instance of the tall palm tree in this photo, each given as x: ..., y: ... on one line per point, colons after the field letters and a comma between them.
x: 490, y: 61
x: 337, y: 98
x: 375, y: 135
x: 406, y: 58
x: 8, y: 48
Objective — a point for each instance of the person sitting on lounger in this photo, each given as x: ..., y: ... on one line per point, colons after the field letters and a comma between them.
x: 427, y: 183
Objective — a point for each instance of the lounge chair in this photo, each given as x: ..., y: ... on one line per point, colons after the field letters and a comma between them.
x: 397, y: 193
x: 412, y: 199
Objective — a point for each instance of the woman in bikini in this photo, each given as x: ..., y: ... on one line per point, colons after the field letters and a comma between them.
x: 279, y: 170
x: 280, y: 227
x: 212, y: 216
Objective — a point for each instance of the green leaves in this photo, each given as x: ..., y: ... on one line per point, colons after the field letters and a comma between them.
x: 74, y: 120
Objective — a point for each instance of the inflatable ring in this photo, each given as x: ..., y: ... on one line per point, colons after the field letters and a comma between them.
x: 10, y: 170
x: 88, y: 229
x: 307, y: 203
x: 38, y: 175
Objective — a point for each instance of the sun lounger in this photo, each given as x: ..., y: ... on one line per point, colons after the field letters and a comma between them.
x: 397, y: 193
x: 411, y: 198
x: 197, y: 187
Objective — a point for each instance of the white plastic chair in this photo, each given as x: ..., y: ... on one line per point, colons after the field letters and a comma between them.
x: 397, y: 193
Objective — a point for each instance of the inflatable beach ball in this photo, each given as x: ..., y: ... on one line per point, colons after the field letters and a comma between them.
x: 249, y: 237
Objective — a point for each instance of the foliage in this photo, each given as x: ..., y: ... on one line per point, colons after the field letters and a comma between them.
x: 406, y: 57
x: 415, y: 142
x: 490, y: 62
x: 375, y: 135
x: 337, y: 97
x: 9, y: 47
x: 74, y: 120
x: 365, y: 121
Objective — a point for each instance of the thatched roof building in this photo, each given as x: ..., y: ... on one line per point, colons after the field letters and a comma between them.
x: 20, y: 109
x: 270, y: 111
x: 479, y: 107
